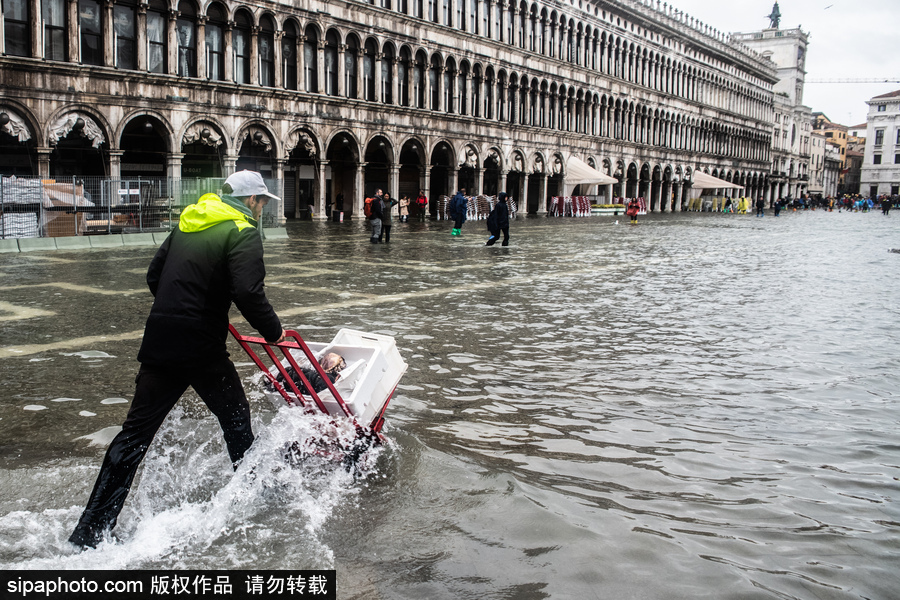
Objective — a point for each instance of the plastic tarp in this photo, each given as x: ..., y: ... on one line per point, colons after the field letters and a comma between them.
x: 578, y: 172
x: 701, y: 181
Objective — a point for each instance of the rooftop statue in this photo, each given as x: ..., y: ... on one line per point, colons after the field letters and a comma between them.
x: 775, y: 17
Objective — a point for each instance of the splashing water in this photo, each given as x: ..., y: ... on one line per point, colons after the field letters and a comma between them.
x: 187, y: 509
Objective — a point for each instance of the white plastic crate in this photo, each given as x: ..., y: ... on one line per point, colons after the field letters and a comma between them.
x: 374, y: 368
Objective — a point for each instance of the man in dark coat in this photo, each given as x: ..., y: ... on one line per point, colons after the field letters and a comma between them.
x: 498, y: 221
x: 213, y: 258
x: 459, y: 206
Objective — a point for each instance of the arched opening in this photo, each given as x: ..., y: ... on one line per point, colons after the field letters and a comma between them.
x: 145, y: 149
x: 340, y: 176
x: 17, y: 154
x: 300, y: 177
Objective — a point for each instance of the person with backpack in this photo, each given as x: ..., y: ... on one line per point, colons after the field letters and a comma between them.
x: 459, y: 206
x: 374, y: 211
x: 498, y: 221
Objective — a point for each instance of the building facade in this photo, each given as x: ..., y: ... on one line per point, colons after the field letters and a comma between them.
x: 791, y: 144
x: 880, y: 173
x: 335, y: 98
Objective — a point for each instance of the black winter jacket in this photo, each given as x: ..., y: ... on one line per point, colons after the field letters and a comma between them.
x: 213, y: 258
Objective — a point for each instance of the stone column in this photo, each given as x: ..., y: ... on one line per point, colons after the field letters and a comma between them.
x: 426, y: 185
x: 230, y: 162
x: 172, y: 45
x: 359, y: 194
x: 72, y: 30
x: 395, y: 99
x: 376, y: 78
x: 301, y: 63
x: 278, y: 175
x: 276, y: 53
x: 360, y: 80
x: 141, y: 27
x: 115, y: 164
x: 342, y: 70
x: 254, y: 55
x: 43, y: 158
x: 320, y: 65
x: 542, y: 195
x: 320, y: 191
x: 394, y: 181
x: 479, y: 182
x: 200, y: 45
x: 173, y: 165
x: 228, y: 50
x: 108, y: 32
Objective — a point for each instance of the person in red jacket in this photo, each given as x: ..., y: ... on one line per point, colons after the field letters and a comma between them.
x: 212, y: 259
x: 633, y: 209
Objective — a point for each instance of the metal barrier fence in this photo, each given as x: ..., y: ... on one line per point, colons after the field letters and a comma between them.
x: 33, y: 207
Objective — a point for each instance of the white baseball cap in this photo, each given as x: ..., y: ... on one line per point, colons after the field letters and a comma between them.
x: 248, y: 183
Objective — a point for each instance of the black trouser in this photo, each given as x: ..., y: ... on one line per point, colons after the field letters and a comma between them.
x: 495, y: 235
x: 385, y: 232
x: 158, y: 389
x: 457, y: 223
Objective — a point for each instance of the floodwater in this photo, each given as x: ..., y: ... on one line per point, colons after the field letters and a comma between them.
x: 699, y: 406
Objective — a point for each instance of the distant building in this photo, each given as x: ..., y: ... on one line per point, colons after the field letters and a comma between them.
x: 836, y: 134
x: 791, y: 150
x: 880, y: 172
x: 853, y: 162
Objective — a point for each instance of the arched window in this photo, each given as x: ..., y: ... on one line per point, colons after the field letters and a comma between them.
x: 449, y: 75
x: 489, y: 84
x: 419, y: 80
x: 476, y: 92
x: 331, y: 63
x: 387, y: 75
x: 462, y: 90
x: 240, y: 42
x: 434, y: 82
x: 265, y: 46
x: 89, y: 23
x: 125, y: 35
x: 433, y: 12
x: 351, y: 61
x: 310, y: 61
x: 289, y: 56
x: 55, y: 35
x: 369, y: 71
x: 157, y: 36
x: 16, y: 27
x: 215, y: 43
x: 403, y: 74
x: 496, y: 20
x: 187, y: 39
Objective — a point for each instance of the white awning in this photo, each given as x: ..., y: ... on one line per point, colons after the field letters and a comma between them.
x: 578, y: 171
x: 702, y: 181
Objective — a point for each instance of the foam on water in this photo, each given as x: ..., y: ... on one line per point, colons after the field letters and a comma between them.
x: 188, y: 509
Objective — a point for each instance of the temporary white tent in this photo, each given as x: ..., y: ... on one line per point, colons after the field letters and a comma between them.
x: 578, y: 171
x: 701, y: 181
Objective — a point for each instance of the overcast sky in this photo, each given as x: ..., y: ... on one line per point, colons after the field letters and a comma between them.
x: 848, y: 39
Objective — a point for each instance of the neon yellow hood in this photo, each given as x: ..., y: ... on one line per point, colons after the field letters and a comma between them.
x: 208, y: 211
